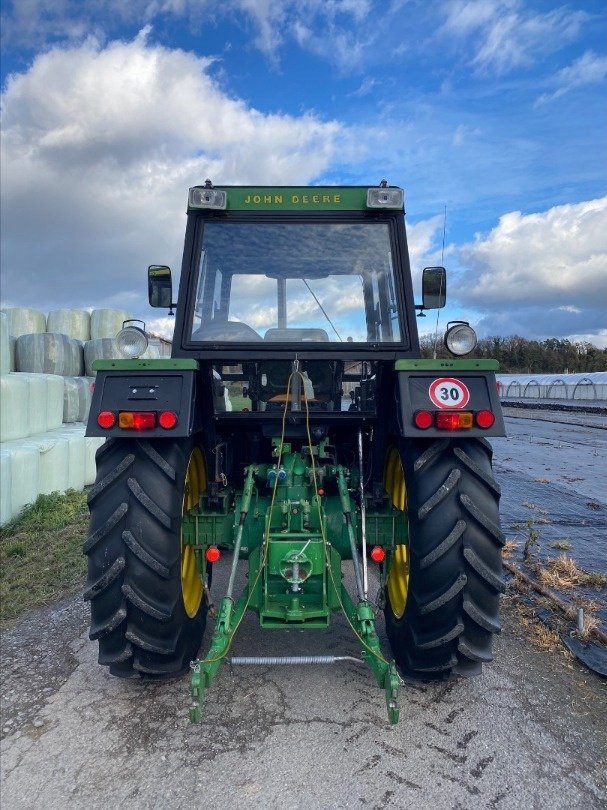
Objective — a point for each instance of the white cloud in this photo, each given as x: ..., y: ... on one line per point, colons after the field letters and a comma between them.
x: 503, y: 35
x: 588, y: 69
x: 99, y: 147
x: 541, y: 274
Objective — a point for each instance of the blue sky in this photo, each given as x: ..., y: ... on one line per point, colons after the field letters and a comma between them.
x: 496, y: 109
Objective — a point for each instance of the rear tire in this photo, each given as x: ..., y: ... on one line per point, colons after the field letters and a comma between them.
x: 454, y: 560
x: 134, y: 580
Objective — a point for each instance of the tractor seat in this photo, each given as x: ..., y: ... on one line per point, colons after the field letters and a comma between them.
x: 296, y: 335
x: 231, y: 331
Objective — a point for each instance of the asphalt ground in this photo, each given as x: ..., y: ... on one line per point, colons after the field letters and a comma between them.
x: 531, y: 732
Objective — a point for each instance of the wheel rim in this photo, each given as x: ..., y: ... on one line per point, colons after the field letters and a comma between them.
x: 398, y: 578
x: 192, y: 588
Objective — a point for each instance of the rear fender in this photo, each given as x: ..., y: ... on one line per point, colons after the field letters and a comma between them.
x: 448, y: 385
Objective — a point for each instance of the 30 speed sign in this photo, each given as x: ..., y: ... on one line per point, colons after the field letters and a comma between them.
x: 447, y: 392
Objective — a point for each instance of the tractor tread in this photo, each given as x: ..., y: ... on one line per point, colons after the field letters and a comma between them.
x: 446, y: 596
x: 492, y: 579
x: 148, y: 503
x: 116, y: 656
x: 430, y: 454
x: 480, y: 517
x: 450, y: 540
x: 159, y: 668
x: 487, y: 479
x: 440, y: 641
x: 158, y: 460
x: 481, y: 617
x: 98, y: 535
x: 157, y: 645
x: 107, y: 626
x: 100, y: 486
x: 105, y: 580
x: 138, y: 550
x: 441, y: 493
x: 473, y: 652
x: 135, y: 598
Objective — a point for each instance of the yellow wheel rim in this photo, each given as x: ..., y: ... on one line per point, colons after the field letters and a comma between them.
x: 192, y: 588
x: 398, y: 578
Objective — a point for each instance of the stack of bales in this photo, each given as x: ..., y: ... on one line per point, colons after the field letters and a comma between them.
x: 46, y: 384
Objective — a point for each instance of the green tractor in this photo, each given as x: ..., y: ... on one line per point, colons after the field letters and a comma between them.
x: 295, y: 427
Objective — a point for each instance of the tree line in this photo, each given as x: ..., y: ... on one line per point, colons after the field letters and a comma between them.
x: 517, y: 355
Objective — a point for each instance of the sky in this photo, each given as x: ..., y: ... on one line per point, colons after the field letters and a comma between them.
x: 491, y: 112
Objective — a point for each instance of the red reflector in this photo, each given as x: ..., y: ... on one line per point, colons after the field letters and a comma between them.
x: 422, y: 419
x: 167, y: 420
x: 106, y: 419
x: 212, y: 554
x: 137, y: 420
x: 378, y: 554
x: 460, y: 420
x: 321, y: 492
x: 485, y: 419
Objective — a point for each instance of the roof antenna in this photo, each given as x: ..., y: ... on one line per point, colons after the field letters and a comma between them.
x: 440, y: 291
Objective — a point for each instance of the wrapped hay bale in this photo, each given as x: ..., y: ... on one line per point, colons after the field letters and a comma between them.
x: 53, y: 454
x: 74, y: 435
x: 5, y: 345
x: 23, y: 321
x: 99, y: 349
x: 92, y: 443
x: 75, y: 323
x: 5, y: 487
x: 37, y: 396
x: 54, y: 401
x: 12, y: 342
x: 49, y: 353
x: 77, y: 395
x: 14, y: 413
x: 24, y: 473
x: 106, y: 323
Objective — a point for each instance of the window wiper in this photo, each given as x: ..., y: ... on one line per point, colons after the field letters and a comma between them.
x: 322, y: 309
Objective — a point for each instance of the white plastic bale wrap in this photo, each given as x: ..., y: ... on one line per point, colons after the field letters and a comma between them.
x: 25, y: 321
x: 77, y: 395
x: 24, y: 473
x: 53, y: 454
x: 49, y: 353
x: 54, y: 401
x: 75, y: 323
x: 37, y: 402
x: 12, y: 343
x: 106, y: 323
x: 99, y: 349
x: 93, y: 443
x: 5, y: 487
x: 5, y: 345
x: 14, y: 412
x: 74, y: 435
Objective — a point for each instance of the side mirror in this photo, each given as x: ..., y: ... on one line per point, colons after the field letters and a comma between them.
x: 160, y: 286
x: 434, y: 287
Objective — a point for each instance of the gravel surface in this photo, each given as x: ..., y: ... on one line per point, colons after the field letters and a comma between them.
x: 530, y: 732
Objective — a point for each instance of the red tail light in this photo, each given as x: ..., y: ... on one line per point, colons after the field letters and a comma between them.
x: 167, y: 420
x: 212, y: 554
x: 423, y: 419
x: 137, y: 420
x: 485, y: 419
x: 106, y: 419
x: 459, y: 420
x: 378, y: 554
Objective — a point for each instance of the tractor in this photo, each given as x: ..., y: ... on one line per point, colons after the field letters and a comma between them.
x: 297, y: 431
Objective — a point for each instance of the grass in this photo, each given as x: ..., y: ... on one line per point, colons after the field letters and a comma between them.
x: 41, y: 555
x: 563, y: 572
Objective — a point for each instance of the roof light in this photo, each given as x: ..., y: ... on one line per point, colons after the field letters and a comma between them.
x: 132, y: 340
x: 385, y: 197
x: 211, y: 198
x: 460, y: 338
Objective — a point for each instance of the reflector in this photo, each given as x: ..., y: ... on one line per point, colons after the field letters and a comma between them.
x: 460, y: 420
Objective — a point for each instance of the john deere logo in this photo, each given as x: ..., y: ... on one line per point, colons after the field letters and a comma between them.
x: 293, y: 199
